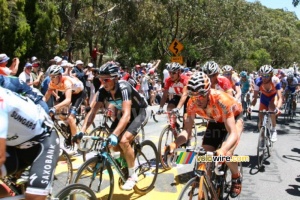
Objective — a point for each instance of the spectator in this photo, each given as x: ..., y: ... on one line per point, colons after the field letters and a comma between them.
x: 78, y: 72
x: 37, y: 75
x: 94, y: 55
x: 13, y: 69
x: 26, y: 75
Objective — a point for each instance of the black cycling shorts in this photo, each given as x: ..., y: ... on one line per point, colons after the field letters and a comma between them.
x: 77, y: 100
x: 175, y: 100
x: 42, y: 157
x: 216, y: 133
x: 137, y: 118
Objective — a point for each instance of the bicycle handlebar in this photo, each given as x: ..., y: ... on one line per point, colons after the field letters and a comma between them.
x: 264, y: 111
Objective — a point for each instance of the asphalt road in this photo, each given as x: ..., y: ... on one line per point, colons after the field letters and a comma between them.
x: 280, y: 178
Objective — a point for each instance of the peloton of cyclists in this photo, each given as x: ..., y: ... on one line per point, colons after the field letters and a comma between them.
x: 291, y: 87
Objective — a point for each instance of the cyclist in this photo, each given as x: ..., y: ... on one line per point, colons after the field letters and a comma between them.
x: 218, y: 82
x: 27, y: 138
x: 234, y: 80
x: 174, y: 87
x: 74, y: 94
x: 292, y: 87
x: 245, y: 88
x: 269, y: 86
x: 127, y: 99
x: 14, y: 84
x: 225, y: 116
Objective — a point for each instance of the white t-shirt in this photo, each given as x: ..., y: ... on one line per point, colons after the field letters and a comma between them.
x: 166, y: 74
x: 144, y: 83
x: 27, y: 78
x: 90, y: 76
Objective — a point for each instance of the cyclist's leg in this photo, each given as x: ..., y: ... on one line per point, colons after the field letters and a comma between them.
x: 264, y: 105
x: 173, y: 102
x: 41, y: 171
x: 125, y: 143
x: 272, y: 107
x: 77, y: 100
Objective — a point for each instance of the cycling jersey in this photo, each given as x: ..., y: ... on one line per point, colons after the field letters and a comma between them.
x: 5, y: 71
x: 124, y: 92
x: 223, y: 84
x: 290, y: 86
x: 176, y: 88
x: 130, y: 79
x: 275, y: 85
x: 235, y: 80
x: 220, y: 107
x: 23, y: 123
x: 245, y: 85
x: 67, y: 82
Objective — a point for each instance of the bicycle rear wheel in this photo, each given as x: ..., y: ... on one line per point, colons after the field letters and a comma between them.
x: 165, y: 139
x: 191, y: 190
x: 76, y: 192
x: 100, y: 180
x: 261, y: 147
x: 64, y: 174
x: 146, y: 163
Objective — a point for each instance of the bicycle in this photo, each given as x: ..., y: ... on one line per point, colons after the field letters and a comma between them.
x: 202, y: 185
x: 265, y: 145
x: 73, y: 191
x: 169, y: 135
x: 103, y: 130
x: 97, y: 172
x: 288, y: 108
x: 246, y: 104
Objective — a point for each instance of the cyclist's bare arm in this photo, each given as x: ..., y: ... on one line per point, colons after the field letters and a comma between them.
x: 230, y: 92
x: 126, y: 113
x: 279, y: 98
x: 188, y: 124
x: 66, y: 101
x: 254, y: 100
x: 233, y: 135
x: 47, y: 95
x: 183, y: 97
x: 238, y: 92
x: 2, y: 153
x: 164, y: 98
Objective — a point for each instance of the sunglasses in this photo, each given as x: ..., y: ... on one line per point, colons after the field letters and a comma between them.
x: 173, y: 73
x: 53, y: 77
x: 197, y: 96
x: 227, y: 74
x: 106, y: 80
x: 266, y: 75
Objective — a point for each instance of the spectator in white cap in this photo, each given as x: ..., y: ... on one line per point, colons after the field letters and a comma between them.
x: 26, y: 75
x: 34, y: 59
x: 58, y: 60
x: 12, y: 70
x: 78, y: 72
x: 89, y: 83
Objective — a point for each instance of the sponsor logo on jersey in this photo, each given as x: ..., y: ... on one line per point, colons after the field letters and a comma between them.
x: 23, y: 120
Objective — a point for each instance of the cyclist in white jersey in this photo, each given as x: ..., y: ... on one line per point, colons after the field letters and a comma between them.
x: 27, y: 138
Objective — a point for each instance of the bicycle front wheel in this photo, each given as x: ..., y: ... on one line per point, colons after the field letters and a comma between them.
x: 76, y: 191
x: 165, y: 139
x: 100, y: 180
x: 261, y: 147
x: 191, y: 190
x: 146, y: 163
x: 64, y: 174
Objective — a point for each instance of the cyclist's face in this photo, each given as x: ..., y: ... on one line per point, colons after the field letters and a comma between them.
x: 266, y: 77
x: 55, y: 79
x: 213, y: 78
x: 200, y: 100
x: 174, y: 75
x: 108, y: 82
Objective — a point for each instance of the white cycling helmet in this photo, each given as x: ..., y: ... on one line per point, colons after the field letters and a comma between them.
x: 174, y: 66
x: 210, y: 68
x: 266, y: 69
x: 227, y: 68
x: 55, y: 70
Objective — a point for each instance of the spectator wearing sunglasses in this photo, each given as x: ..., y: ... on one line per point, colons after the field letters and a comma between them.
x: 269, y: 85
x: 26, y: 75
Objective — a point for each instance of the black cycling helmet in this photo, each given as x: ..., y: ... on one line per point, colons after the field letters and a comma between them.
x: 109, y: 68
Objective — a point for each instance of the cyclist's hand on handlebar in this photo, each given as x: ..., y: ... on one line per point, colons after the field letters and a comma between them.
x: 250, y: 109
x: 77, y: 137
x: 113, y: 139
x: 52, y: 111
x: 175, y: 111
x: 160, y: 111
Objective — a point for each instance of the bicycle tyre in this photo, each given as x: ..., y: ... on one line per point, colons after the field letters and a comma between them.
x: 269, y: 143
x: 261, y: 152
x: 63, y: 177
x: 147, y: 169
x: 101, y: 174
x: 153, y: 116
x: 72, y: 191
x: 169, y: 136
x: 191, y: 189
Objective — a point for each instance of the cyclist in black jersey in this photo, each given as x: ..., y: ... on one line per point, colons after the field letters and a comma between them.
x: 133, y: 106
